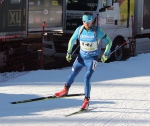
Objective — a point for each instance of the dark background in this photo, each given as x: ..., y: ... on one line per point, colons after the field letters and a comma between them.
x: 146, y: 15
x: 13, y: 9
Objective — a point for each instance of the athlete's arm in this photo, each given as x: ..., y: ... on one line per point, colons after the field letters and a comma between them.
x: 72, y: 40
x: 106, y: 39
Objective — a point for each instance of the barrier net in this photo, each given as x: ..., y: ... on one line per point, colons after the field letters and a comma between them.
x: 19, y: 54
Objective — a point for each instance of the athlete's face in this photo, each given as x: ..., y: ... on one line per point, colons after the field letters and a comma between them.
x: 87, y: 25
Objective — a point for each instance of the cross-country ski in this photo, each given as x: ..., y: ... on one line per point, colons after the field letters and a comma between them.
x: 80, y: 111
x: 45, y: 98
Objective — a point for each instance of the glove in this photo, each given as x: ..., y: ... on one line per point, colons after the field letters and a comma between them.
x: 104, y: 58
x: 68, y: 57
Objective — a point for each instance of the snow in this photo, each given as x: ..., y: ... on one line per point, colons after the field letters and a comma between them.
x: 120, y: 95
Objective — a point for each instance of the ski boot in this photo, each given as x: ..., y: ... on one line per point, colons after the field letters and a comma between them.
x: 85, y: 104
x: 63, y: 92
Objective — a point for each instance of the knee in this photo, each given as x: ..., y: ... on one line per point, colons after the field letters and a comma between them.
x: 88, y: 75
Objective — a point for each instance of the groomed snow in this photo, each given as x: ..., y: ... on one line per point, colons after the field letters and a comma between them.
x: 120, y: 95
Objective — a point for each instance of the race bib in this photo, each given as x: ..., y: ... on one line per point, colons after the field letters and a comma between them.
x: 88, y: 46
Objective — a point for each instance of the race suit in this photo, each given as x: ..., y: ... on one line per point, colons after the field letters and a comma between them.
x: 88, y: 54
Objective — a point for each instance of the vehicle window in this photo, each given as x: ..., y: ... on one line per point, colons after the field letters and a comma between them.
x: 114, y: 1
x: 82, y: 5
x: 117, y: 1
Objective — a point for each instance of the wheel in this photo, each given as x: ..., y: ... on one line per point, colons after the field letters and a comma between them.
x: 118, y: 54
x: 118, y: 49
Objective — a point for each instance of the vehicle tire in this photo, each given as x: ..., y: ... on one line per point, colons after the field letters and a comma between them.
x: 118, y: 54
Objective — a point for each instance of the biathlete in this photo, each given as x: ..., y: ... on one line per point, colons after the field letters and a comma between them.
x: 87, y: 56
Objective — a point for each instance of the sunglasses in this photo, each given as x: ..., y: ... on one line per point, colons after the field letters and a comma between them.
x: 87, y: 22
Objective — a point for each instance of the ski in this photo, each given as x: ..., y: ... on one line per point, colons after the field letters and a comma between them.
x: 45, y: 98
x: 80, y: 111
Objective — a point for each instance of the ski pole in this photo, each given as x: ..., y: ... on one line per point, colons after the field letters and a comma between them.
x: 75, y: 50
x: 118, y: 47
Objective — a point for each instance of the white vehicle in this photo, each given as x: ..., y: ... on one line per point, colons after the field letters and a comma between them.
x: 124, y: 21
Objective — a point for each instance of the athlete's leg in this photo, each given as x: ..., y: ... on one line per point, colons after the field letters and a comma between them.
x: 76, y: 68
x: 90, y: 68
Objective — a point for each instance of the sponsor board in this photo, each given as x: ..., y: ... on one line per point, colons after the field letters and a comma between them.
x: 14, y: 18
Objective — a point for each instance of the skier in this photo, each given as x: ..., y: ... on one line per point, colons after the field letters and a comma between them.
x: 87, y: 56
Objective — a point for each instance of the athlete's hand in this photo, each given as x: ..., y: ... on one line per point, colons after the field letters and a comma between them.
x: 68, y: 57
x: 104, y: 58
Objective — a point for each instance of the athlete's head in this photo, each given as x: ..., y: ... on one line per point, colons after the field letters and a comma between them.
x: 87, y: 19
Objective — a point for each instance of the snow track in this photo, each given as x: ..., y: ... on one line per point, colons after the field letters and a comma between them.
x: 120, y: 93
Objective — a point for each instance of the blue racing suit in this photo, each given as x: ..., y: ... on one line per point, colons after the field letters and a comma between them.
x: 88, y: 54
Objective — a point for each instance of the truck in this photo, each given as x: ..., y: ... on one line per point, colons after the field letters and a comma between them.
x: 13, y: 14
x: 126, y: 22
x: 19, y: 51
